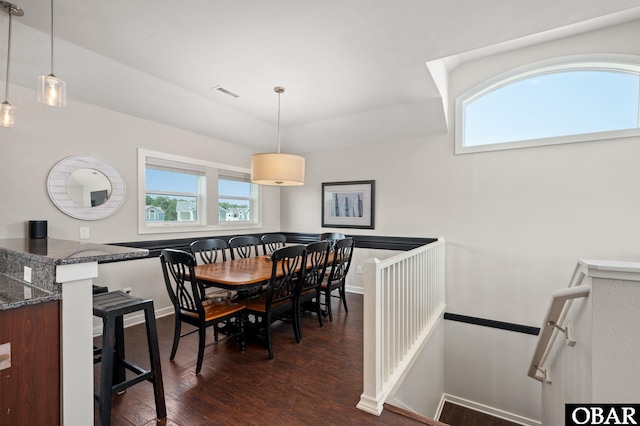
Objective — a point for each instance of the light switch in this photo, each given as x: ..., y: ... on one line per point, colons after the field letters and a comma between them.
x: 27, y: 274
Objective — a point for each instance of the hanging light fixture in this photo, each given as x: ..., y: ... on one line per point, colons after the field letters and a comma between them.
x: 52, y: 91
x: 275, y: 168
x: 7, y: 111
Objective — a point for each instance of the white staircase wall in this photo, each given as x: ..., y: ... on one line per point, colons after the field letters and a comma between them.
x: 423, y: 387
x: 602, y: 367
x: 488, y: 366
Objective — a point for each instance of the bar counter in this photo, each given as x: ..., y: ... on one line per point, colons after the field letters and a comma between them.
x: 35, y: 271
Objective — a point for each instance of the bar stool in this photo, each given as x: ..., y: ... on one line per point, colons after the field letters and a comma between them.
x: 111, y: 307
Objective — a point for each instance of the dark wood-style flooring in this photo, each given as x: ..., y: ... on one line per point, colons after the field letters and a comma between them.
x: 317, y: 381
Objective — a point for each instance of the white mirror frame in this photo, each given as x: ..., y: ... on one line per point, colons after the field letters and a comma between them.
x: 57, y: 187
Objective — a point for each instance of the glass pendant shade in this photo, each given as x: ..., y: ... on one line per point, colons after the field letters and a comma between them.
x: 277, y: 169
x: 7, y: 114
x: 52, y: 91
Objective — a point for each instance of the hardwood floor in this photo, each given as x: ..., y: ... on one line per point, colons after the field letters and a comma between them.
x: 456, y: 415
x: 317, y: 381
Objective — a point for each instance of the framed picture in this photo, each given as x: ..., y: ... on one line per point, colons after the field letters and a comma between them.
x: 348, y: 204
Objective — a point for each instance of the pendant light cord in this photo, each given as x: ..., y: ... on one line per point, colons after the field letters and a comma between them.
x: 6, y: 88
x: 51, y: 37
x: 279, y: 93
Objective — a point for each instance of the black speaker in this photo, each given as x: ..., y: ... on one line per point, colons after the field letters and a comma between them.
x: 37, y: 229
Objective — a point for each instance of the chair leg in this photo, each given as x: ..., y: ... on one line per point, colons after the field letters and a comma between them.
x: 268, y: 330
x: 343, y: 296
x: 176, y: 336
x: 202, y: 333
x: 154, y: 362
x: 241, y: 324
x: 319, y: 309
x: 297, y: 332
x: 327, y: 299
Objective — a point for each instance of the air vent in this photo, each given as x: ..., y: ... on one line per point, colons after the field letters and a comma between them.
x: 225, y: 91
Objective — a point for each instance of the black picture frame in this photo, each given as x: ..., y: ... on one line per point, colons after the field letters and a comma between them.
x: 348, y: 204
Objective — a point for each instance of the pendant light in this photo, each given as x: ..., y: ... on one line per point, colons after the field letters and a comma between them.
x: 51, y: 90
x: 7, y: 111
x: 275, y: 168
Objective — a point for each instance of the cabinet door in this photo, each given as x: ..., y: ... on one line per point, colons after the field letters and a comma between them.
x: 30, y: 387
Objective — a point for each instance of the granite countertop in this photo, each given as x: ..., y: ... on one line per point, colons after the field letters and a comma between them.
x: 41, y: 258
x: 64, y: 252
x: 15, y: 293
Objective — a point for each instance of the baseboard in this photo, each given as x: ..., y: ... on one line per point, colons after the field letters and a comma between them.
x: 356, y: 290
x: 514, y: 418
x: 440, y: 407
x: 137, y: 319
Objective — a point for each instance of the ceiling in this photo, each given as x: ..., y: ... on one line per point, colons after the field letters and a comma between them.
x: 354, y: 70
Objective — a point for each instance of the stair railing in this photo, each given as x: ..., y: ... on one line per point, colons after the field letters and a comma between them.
x: 554, y: 323
x: 404, y: 299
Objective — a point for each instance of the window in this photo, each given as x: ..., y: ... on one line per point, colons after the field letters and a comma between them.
x: 550, y: 104
x: 234, y: 197
x: 182, y: 194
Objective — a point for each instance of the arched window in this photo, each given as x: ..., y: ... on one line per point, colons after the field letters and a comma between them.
x: 550, y: 104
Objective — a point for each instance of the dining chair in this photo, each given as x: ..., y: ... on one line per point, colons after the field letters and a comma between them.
x: 188, y: 304
x: 243, y: 246
x: 342, y: 253
x: 272, y: 242
x: 308, y: 297
x: 210, y: 250
x: 287, y: 272
x: 332, y: 237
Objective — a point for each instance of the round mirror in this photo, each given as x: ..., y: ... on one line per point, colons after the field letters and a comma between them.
x: 86, y: 187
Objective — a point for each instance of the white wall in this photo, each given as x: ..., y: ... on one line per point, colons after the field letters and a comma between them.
x: 515, y: 221
x: 45, y: 135
x: 422, y: 389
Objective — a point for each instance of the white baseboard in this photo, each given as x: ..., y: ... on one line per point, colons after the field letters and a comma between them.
x: 138, y: 318
x: 351, y: 289
x: 514, y: 418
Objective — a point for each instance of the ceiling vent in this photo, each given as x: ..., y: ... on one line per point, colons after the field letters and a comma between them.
x: 221, y: 89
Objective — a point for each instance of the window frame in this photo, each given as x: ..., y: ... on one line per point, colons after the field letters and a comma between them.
x: 207, y: 201
x: 611, y: 63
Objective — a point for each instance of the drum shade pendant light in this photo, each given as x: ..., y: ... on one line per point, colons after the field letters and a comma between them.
x: 277, y: 169
x: 7, y: 111
x: 51, y: 90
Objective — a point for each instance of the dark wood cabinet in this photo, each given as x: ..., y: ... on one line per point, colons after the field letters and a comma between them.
x: 30, y: 388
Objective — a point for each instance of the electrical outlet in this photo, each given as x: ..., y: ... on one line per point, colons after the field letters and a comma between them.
x: 5, y: 356
x: 27, y: 274
x: 84, y: 232
x: 127, y: 290
x: 359, y: 269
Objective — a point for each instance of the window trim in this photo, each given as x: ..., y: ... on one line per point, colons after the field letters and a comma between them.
x: 604, y: 62
x: 209, y: 220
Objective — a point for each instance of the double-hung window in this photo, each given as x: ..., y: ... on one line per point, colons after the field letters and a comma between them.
x: 179, y: 194
x: 174, y: 190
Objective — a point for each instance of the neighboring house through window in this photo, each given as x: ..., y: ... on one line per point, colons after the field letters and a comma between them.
x: 177, y: 194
